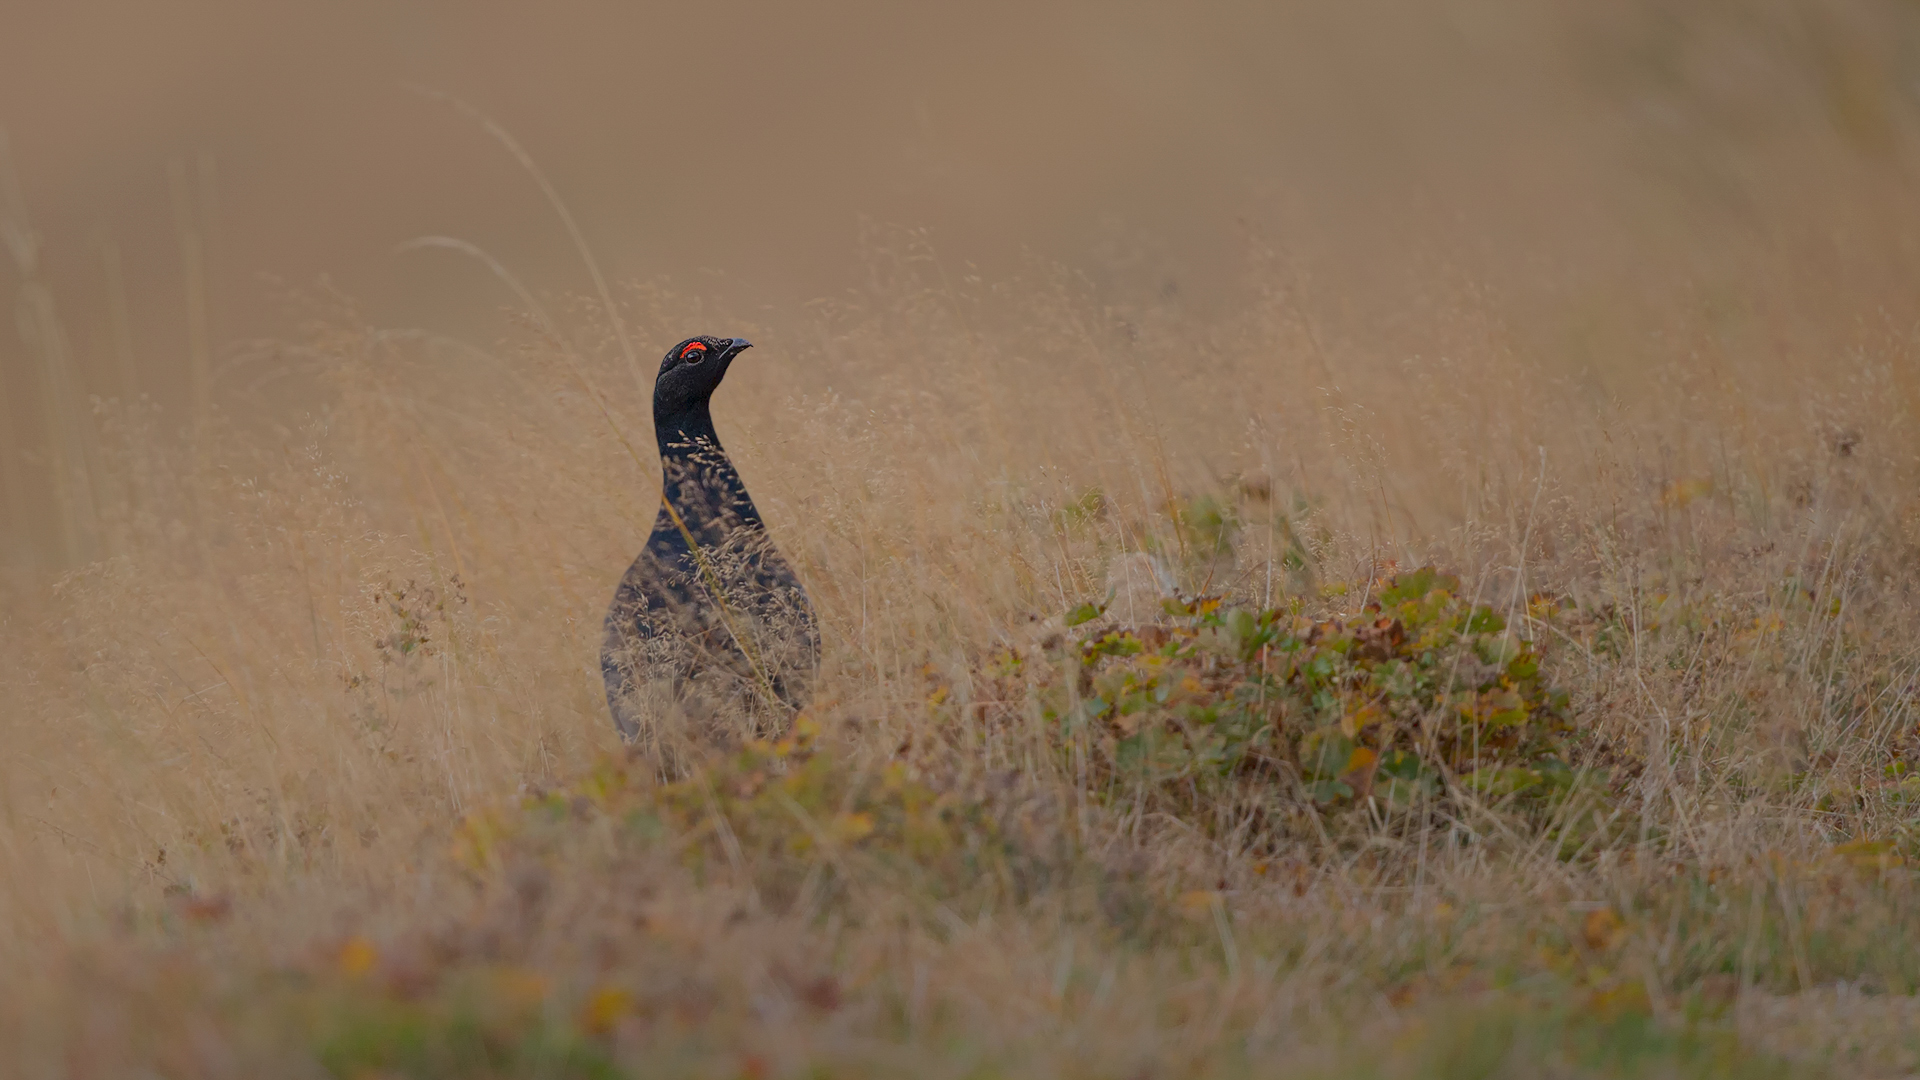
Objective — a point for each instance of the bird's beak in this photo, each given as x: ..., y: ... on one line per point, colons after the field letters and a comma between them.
x: 736, y: 346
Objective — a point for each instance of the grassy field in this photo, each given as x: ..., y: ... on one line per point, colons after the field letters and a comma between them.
x: 1425, y: 657
x: 309, y: 772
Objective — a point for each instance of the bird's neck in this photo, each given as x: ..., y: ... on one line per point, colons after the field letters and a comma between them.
x: 698, y: 479
x: 680, y: 429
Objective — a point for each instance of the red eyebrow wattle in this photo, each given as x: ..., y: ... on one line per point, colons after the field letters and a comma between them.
x: 690, y: 348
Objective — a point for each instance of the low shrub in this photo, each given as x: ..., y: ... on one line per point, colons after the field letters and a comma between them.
x: 1420, y: 698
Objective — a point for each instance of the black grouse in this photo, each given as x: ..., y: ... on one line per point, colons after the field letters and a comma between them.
x: 710, y: 636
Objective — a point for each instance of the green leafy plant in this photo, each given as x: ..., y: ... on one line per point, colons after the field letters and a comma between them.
x: 1420, y: 695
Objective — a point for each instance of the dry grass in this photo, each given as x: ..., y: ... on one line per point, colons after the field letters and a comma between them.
x: 308, y: 769
x: 266, y: 755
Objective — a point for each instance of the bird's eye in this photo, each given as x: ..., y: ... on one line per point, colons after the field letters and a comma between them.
x: 694, y: 353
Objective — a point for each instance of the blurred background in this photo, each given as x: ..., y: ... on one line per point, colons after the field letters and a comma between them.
x: 183, y: 177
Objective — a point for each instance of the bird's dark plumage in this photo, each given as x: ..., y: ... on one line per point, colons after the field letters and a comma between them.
x: 710, y: 632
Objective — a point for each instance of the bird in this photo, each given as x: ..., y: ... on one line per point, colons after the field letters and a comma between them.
x: 710, y: 637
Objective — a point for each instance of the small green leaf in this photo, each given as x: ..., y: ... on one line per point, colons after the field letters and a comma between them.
x: 1484, y: 621
x: 1404, y: 779
x: 1085, y: 613
x: 1324, y: 792
x: 1416, y: 584
x: 1498, y: 650
x: 1324, y: 753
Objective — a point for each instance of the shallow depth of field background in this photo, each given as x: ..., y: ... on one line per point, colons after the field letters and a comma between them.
x: 309, y: 506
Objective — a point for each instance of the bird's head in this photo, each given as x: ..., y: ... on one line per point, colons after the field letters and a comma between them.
x: 692, y: 371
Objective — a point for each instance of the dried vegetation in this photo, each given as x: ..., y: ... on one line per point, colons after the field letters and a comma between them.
x: 1495, y: 689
